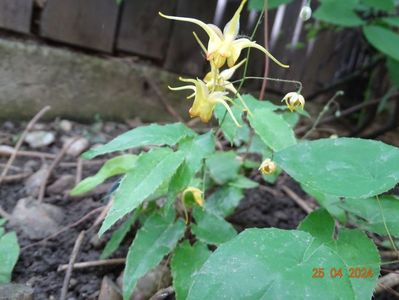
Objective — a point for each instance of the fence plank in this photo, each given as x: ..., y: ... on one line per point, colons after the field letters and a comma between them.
x: 142, y: 31
x: 16, y: 15
x: 89, y: 23
x: 184, y: 55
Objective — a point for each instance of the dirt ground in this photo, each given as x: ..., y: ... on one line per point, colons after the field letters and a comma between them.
x: 37, y: 266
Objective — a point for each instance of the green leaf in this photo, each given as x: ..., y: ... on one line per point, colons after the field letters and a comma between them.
x: 330, y: 203
x: 344, y: 167
x: 254, y: 104
x: 115, y: 166
x: 211, y: 228
x: 2, y: 221
x: 186, y: 261
x: 152, y: 170
x: 223, y: 166
x: 352, y: 245
x: 2, y: 231
x: 367, y: 214
x: 393, y: 71
x: 383, y: 39
x: 392, y: 21
x: 154, y: 134
x: 224, y: 201
x: 386, y: 5
x: 284, y: 260
x: 226, y: 123
x: 118, y: 236
x: 259, y: 4
x: 9, y: 253
x: 195, y: 150
x: 158, y: 236
x: 243, y: 182
x: 338, y: 12
x: 272, y: 129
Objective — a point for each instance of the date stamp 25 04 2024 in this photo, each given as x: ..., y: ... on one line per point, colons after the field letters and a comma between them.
x: 353, y: 272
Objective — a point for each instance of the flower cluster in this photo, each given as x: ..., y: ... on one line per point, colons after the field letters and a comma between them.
x: 224, y: 47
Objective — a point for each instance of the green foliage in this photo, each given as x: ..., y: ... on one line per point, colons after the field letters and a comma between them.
x: 118, y: 236
x: 204, y: 229
x: 271, y: 4
x: 229, y: 129
x: 186, y: 261
x: 366, y: 214
x: 344, y: 167
x: 393, y: 70
x: 158, y: 236
x: 154, y: 134
x: 385, y: 5
x: 223, y: 166
x: 252, y: 255
x: 383, y: 39
x: 115, y: 166
x: 223, y: 201
x: 195, y: 150
x: 9, y: 253
x: 272, y: 129
x: 338, y: 12
x: 152, y: 170
x: 393, y: 21
x: 351, y: 245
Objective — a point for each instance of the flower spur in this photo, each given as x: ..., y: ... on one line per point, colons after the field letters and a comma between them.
x: 225, y: 46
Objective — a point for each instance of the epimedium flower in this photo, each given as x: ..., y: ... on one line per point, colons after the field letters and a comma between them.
x: 219, y: 81
x: 196, y: 193
x: 268, y: 167
x: 225, y: 46
x: 293, y: 100
x: 205, y: 100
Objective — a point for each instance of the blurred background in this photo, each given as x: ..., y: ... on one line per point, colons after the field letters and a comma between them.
x: 114, y: 60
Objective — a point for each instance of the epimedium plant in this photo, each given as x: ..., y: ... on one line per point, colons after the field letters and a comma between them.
x: 183, y: 187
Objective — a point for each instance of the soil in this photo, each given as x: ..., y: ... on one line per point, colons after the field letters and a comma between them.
x: 37, y: 265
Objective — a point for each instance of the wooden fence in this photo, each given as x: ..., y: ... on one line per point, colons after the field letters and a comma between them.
x: 134, y: 28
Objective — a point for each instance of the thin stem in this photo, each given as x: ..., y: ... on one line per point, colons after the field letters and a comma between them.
x: 386, y: 227
x: 272, y: 79
x: 322, y: 113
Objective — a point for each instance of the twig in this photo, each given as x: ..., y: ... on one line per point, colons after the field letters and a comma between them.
x: 55, y: 162
x: 94, y: 263
x: 81, y: 220
x: 84, y: 163
x: 21, y: 140
x: 266, y: 38
x: 72, y: 259
x: 16, y: 177
x: 8, y: 151
x: 79, y: 167
x: 389, y: 254
x: 14, y: 168
x: 298, y: 200
x: 161, y: 97
x: 387, y: 281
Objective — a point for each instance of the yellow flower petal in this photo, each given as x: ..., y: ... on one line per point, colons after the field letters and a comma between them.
x: 232, y: 28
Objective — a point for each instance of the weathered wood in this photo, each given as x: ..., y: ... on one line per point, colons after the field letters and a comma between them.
x: 142, y: 31
x: 16, y: 15
x: 184, y: 55
x: 89, y: 23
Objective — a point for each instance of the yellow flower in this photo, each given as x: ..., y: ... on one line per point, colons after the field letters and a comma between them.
x: 196, y: 195
x: 294, y: 100
x: 224, y: 46
x: 268, y: 167
x: 205, y: 100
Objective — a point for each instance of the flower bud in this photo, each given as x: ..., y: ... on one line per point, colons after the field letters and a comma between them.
x: 294, y: 100
x: 268, y: 167
x: 194, y: 194
x: 306, y: 13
